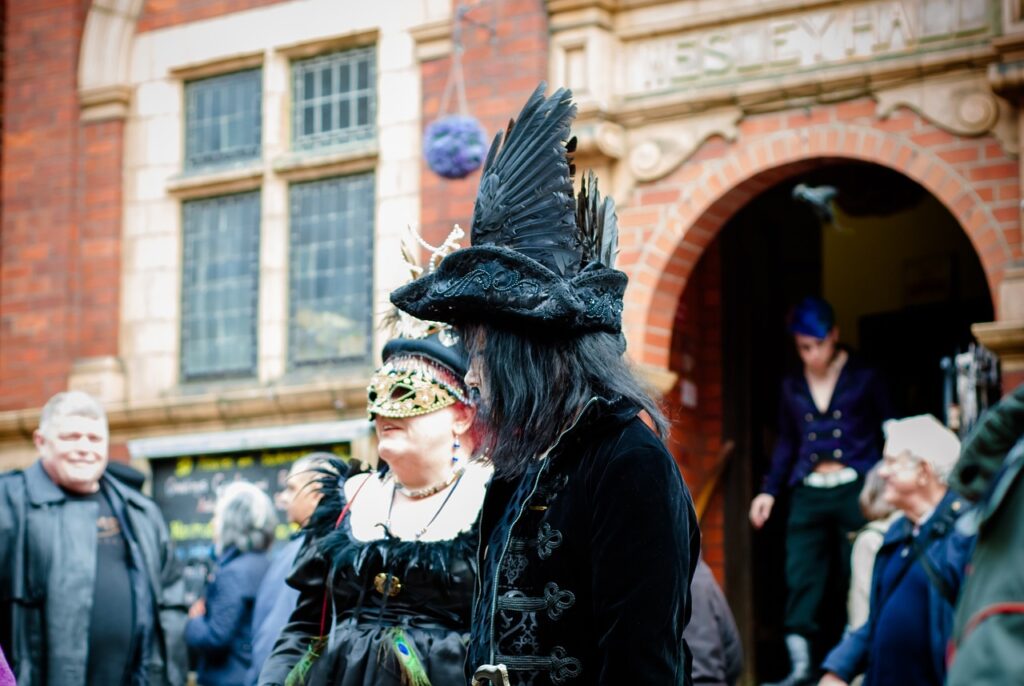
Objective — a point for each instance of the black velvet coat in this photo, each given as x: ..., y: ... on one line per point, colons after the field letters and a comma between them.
x: 586, y: 561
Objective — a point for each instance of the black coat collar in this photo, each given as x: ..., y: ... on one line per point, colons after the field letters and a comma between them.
x: 42, y: 490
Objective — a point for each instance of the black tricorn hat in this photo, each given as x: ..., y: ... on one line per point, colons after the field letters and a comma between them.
x: 538, y: 254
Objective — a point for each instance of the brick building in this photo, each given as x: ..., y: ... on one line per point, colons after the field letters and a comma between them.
x: 202, y: 200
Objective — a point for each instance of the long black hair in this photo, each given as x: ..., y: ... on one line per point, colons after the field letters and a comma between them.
x: 535, y: 385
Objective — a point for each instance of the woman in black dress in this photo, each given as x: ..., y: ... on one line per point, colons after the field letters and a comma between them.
x: 386, y: 579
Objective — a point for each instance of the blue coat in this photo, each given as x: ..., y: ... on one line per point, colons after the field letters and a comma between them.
x: 223, y: 636
x: 948, y: 551
x: 849, y: 431
x: 275, y: 602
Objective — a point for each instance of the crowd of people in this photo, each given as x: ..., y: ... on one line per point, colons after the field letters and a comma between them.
x: 526, y: 524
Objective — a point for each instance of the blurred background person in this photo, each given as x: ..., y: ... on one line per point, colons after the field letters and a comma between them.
x: 880, y: 514
x: 830, y: 435
x: 220, y: 624
x: 398, y: 545
x: 711, y: 634
x: 107, y: 606
x: 918, y: 570
x: 275, y: 599
x: 988, y: 632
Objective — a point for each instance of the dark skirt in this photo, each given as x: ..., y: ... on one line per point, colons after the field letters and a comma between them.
x: 363, y: 653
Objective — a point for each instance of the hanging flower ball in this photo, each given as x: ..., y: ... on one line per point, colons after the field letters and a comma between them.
x: 454, y: 146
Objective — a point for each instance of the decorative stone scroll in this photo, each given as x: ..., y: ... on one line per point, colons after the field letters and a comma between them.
x: 659, y: 149
x: 963, y: 105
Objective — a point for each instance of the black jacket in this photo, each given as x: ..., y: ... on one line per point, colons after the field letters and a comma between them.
x: 47, y: 568
x: 586, y: 561
x: 849, y: 431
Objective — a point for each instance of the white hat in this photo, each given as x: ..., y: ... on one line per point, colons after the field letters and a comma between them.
x: 927, y: 439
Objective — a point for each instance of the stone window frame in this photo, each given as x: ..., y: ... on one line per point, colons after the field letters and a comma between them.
x: 241, y: 298
x: 352, y: 255
x: 199, y: 157
x: 310, y: 71
x: 274, y: 173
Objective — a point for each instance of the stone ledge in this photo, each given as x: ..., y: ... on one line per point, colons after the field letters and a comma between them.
x: 301, y: 166
x: 216, y: 67
x: 345, y: 398
x: 433, y: 40
x: 323, y: 46
x: 202, y: 184
x: 1006, y: 340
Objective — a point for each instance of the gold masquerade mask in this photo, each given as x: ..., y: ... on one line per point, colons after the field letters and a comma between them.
x: 411, y: 386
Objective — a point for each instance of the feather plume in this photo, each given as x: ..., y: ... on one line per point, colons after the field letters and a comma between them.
x: 525, y: 201
x: 597, y: 223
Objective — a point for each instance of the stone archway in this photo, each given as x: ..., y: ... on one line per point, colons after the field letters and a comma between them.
x: 104, y: 58
x: 699, y: 198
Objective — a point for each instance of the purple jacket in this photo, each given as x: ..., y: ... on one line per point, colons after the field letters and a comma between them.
x: 849, y: 431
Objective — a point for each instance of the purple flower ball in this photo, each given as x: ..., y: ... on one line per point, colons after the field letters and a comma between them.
x: 454, y: 146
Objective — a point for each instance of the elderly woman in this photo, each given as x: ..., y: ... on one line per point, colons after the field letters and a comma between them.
x: 220, y: 625
x: 918, y: 569
x: 396, y: 547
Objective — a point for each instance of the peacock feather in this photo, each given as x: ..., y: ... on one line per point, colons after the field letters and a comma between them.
x: 413, y: 672
x: 298, y: 675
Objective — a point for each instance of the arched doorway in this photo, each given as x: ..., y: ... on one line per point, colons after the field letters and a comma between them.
x: 906, y: 281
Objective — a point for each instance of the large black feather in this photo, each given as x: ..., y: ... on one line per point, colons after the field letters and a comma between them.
x: 525, y: 201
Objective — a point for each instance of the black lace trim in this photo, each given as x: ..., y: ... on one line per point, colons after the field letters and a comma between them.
x: 344, y: 551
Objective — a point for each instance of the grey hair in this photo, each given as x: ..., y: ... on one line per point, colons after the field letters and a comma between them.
x: 310, y: 462
x: 70, y: 404
x: 243, y: 517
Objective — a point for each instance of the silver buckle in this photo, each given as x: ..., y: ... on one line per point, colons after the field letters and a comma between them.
x: 491, y: 674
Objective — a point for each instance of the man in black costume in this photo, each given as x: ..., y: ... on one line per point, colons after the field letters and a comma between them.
x: 589, y: 538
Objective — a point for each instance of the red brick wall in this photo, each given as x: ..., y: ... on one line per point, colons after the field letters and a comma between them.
x: 671, y: 221
x: 96, y: 291
x: 696, y: 356
x: 158, y: 14
x: 499, y: 75
x: 39, y: 199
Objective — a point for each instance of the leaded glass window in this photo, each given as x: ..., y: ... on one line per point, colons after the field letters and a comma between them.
x: 334, y: 99
x: 331, y: 273
x: 220, y: 286
x: 223, y: 117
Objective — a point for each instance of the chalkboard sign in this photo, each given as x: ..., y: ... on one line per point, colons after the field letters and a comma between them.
x: 185, y: 488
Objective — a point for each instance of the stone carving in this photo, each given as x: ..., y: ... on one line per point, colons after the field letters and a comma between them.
x: 658, y: 149
x: 601, y: 138
x: 963, y: 105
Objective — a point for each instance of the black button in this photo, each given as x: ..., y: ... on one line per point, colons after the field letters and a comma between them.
x: 814, y: 457
x: 808, y: 417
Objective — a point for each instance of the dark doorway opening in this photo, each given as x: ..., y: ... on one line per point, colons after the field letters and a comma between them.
x: 906, y: 284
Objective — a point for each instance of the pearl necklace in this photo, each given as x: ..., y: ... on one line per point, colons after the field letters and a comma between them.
x: 456, y: 478
x: 420, y: 493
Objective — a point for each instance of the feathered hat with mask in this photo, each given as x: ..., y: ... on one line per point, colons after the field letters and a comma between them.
x: 424, y: 365
x: 539, y: 255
